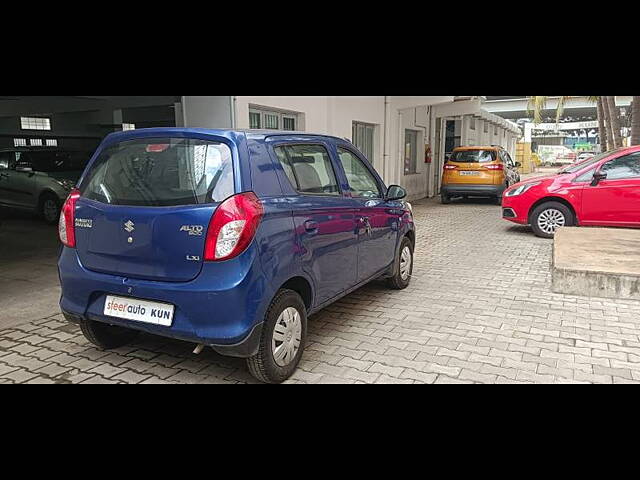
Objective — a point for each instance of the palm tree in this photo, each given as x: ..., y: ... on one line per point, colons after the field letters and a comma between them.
x: 605, y: 123
x: 602, y: 127
x: 538, y: 104
x: 614, y: 124
x: 635, y: 121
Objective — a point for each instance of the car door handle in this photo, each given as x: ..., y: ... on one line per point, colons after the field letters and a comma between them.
x: 311, y: 226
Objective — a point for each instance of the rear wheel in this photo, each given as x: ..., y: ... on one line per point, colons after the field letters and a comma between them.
x: 404, y: 266
x: 50, y: 208
x: 107, y: 336
x: 283, y: 339
x: 550, y: 216
x: 445, y: 199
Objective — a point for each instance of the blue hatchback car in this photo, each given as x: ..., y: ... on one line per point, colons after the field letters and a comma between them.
x: 227, y: 239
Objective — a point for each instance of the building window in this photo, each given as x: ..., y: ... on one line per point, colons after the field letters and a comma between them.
x: 362, y: 137
x: 272, y: 119
x: 255, y: 120
x: 495, y: 130
x: 34, y: 123
x: 288, y: 122
x: 35, y: 142
x: 472, y: 123
x: 128, y: 126
x: 486, y: 127
x: 19, y: 142
x: 52, y: 142
x: 410, y: 152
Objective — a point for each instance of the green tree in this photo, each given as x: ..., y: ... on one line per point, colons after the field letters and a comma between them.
x: 614, y: 124
x: 635, y: 121
x: 602, y: 126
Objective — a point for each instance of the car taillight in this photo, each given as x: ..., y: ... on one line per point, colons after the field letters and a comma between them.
x: 497, y: 166
x: 232, y: 227
x: 66, y: 226
x: 450, y: 167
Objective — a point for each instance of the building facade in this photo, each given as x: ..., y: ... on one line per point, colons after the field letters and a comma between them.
x: 405, y: 137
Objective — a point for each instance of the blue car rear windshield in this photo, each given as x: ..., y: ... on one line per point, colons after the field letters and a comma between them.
x: 161, y: 172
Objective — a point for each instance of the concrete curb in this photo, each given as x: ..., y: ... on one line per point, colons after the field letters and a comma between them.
x: 591, y: 262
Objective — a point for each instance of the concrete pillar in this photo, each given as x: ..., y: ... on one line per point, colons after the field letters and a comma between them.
x: 208, y: 112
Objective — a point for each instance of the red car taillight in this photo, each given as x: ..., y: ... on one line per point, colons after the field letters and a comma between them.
x: 66, y: 226
x: 232, y: 227
x: 450, y: 167
x: 497, y: 166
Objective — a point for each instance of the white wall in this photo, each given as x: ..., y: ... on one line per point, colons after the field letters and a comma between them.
x: 335, y: 116
x: 324, y: 115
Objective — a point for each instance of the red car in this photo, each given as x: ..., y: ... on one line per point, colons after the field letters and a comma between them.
x: 601, y: 191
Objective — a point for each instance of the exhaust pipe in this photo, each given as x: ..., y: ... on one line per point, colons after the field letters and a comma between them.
x: 198, y: 350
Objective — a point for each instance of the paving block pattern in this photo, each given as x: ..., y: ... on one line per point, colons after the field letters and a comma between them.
x: 479, y: 310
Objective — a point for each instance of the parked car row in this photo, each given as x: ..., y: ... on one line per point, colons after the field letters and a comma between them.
x: 226, y: 239
x: 39, y: 180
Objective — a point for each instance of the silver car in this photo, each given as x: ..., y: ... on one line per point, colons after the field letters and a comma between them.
x: 39, y: 180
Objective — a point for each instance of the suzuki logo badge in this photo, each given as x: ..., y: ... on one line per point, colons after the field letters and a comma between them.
x: 129, y: 226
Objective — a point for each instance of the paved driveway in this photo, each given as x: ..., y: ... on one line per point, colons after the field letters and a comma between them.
x: 479, y: 310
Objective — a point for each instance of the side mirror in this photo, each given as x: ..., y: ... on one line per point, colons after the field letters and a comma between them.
x: 396, y: 192
x: 598, y: 177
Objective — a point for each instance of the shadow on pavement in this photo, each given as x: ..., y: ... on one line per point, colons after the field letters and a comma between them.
x: 29, y: 287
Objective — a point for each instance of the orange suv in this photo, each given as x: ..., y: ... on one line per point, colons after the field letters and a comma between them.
x: 478, y: 171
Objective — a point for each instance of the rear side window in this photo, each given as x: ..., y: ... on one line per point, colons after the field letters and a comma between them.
x: 161, y: 172
x: 473, y: 156
x: 308, y: 168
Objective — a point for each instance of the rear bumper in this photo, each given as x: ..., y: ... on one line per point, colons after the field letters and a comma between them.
x: 454, y: 189
x: 243, y: 349
x: 224, y: 307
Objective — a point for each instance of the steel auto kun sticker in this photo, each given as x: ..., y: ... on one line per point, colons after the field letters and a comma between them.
x: 120, y: 308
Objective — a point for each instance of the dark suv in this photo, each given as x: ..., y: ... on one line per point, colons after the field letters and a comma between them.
x: 39, y: 180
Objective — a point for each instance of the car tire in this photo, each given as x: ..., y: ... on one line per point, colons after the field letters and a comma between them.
x: 549, y: 216
x: 403, y: 266
x: 107, y: 336
x: 445, y: 199
x: 283, y: 339
x: 49, y: 208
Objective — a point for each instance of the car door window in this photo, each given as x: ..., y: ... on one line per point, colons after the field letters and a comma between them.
x: 508, y: 159
x: 627, y: 166
x: 308, y: 168
x: 585, y: 177
x: 362, y: 183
